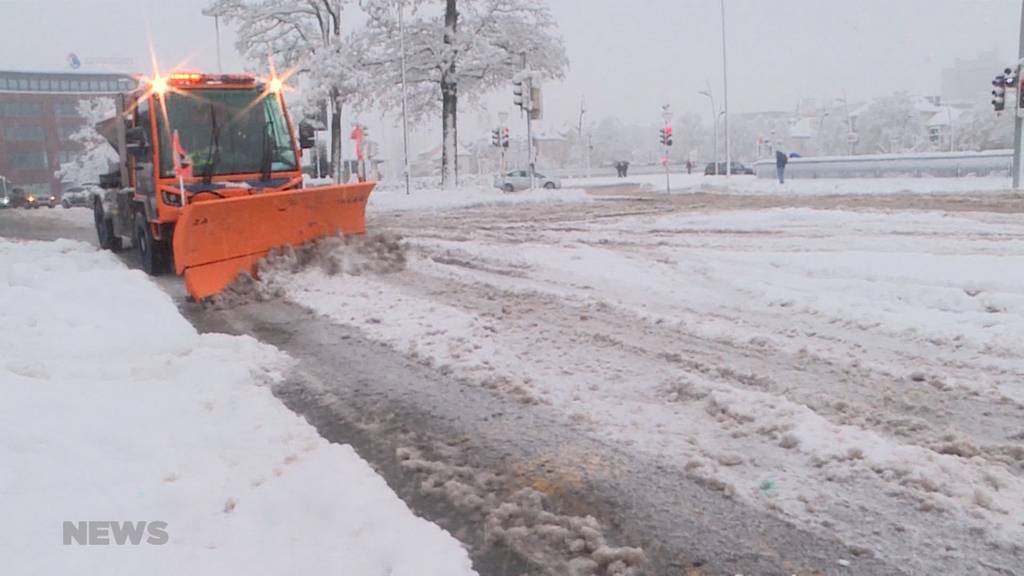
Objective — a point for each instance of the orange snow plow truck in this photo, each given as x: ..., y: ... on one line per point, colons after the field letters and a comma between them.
x: 210, y: 180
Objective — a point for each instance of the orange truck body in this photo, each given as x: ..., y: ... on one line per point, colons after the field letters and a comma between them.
x: 227, y: 222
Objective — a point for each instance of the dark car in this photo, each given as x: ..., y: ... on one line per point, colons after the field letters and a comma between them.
x: 737, y: 168
x: 36, y: 200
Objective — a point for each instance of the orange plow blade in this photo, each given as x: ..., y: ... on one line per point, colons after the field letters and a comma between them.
x: 216, y: 240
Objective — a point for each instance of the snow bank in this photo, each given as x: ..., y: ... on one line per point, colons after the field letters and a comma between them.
x: 697, y: 183
x: 850, y: 186
x: 392, y: 199
x: 115, y: 409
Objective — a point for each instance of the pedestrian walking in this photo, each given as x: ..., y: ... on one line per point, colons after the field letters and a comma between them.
x: 780, y: 165
x: 689, y: 167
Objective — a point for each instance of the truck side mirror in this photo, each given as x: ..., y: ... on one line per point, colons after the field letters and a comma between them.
x: 137, y: 143
x: 307, y: 136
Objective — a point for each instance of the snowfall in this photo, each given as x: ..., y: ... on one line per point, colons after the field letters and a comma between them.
x: 857, y: 369
x: 115, y: 409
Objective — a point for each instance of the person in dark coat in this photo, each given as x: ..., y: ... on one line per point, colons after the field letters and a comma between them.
x: 780, y: 165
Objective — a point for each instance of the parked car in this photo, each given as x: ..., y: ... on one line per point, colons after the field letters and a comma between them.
x: 6, y: 193
x: 33, y: 200
x: 76, y: 196
x: 737, y: 168
x: 520, y: 180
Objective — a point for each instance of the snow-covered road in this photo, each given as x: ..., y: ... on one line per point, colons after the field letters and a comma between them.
x: 855, y: 371
x: 114, y: 408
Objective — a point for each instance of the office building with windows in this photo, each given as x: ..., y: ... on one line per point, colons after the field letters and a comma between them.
x: 38, y: 115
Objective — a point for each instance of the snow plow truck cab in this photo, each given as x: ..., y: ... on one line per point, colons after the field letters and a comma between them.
x: 210, y: 180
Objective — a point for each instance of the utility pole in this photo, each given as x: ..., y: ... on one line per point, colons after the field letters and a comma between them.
x: 1018, y: 121
x: 405, y: 103
x: 216, y: 27
x: 714, y: 122
x: 528, y: 106
x: 579, y: 133
x: 725, y: 86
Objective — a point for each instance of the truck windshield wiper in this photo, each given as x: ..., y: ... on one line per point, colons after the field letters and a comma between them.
x: 213, y: 156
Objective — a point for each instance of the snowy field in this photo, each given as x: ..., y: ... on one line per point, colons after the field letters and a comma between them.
x: 854, y: 372
x: 391, y: 199
x: 115, y: 409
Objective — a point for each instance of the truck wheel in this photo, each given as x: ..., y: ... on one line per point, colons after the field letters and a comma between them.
x: 105, y: 229
x: 549, y: 185
x: 152, y: 252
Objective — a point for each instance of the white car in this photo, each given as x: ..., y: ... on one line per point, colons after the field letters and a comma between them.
x: 520, y: 180
x: 77, y: 196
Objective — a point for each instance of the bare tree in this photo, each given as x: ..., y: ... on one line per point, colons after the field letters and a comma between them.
x: 462, y: 51
x: 297, y: 35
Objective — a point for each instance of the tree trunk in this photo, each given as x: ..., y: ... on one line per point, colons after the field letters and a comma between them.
x: 337, y: 164
x: 450, y: 102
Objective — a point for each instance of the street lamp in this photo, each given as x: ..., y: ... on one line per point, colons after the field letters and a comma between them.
x: 714, y: 122
x: 405, y: 102
x: 725, y: 87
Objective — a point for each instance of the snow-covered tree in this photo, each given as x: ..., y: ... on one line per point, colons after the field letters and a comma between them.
x: 304, y: 36
x: 982, y: 129
x: 460, y: 49
x: 97, y: 155
x: 892, y: 124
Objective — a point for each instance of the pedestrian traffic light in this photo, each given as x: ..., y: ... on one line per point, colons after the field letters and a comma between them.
x: 496, y: 137
x: 999, y: 93
x: 504, y: 138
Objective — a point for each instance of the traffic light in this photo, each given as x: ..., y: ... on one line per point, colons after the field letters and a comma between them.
x: 496, y: 137
x: 999, y: 92
x: 666, y: 136
x: 504, y: 138
x: 517, y: 93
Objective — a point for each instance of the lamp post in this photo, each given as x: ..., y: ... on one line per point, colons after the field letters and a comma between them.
x: 725, y: 96
x: 714, y: 122
x: 216, y: 30
x: 405, y: 103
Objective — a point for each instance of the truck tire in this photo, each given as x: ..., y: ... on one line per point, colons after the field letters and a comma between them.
x: 105, y: 229
x: 152, y: 252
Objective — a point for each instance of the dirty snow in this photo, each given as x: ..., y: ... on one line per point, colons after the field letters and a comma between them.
x: 855, y: 372
x: 115, y: 408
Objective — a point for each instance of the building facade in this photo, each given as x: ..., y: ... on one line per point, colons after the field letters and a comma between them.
x: 38, y: 115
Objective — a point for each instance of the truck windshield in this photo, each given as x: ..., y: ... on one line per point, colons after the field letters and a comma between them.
x: 225, y: 132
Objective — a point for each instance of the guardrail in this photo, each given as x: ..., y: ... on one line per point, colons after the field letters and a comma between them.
x: 937, y: 164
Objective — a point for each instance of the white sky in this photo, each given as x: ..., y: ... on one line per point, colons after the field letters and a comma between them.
x: 627, y: 57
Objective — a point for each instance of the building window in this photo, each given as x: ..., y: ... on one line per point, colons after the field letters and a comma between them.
x: 28, y: 160
x: 24, y: 134
x: 22, y: 84
x: 65, y: 131
x: 66, y: 109
x: 63, y: 85
x: 3, y: 84
x: 20, y: 109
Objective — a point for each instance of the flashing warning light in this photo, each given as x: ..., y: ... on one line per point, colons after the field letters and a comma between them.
x: 186, y: 77
x: 275, y: 85
x: 158, y: 85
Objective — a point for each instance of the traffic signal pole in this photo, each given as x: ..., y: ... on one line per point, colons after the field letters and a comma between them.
x: 1018, y: 121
